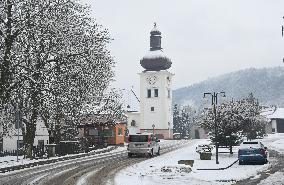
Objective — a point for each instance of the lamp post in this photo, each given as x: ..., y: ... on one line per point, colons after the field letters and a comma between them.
x: 18, y: 127
x: 282, y: 35
x: 214, y: 97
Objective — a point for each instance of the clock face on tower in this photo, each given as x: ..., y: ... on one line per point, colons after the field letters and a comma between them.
x: 152, y: 80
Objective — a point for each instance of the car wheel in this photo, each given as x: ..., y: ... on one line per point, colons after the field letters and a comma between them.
x: 158, y: 153
x: 241, y: 162
x: 265, y: 162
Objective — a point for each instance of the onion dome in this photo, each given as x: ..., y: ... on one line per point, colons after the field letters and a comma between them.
x: 155, y: 59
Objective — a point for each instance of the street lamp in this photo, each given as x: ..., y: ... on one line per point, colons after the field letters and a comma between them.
x: 214, y: 97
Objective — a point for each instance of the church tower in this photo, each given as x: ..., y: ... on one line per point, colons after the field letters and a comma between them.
x: 156, y: 89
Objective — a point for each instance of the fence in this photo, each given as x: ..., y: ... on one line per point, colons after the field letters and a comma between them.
x: 11, y: 153
x: 38, y: 152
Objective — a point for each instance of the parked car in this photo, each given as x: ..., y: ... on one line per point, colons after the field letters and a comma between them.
x: 252, y: 152
x: 146, y: 144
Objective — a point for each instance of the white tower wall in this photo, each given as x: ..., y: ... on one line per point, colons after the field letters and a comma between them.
x: 161, y: 116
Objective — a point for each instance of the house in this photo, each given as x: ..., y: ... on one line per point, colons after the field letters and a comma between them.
x: 276, y: 121
x: 112, y: 134
x: 133, y: 122
x: 196, y: 132
x: 10, y: 142
x: 99, y: 130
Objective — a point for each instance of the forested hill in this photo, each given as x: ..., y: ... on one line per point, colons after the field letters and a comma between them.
x: 267, y: 85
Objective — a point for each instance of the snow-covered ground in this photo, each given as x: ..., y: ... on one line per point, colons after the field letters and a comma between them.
x: 274, y: 179
x: 275, y: 141
x: 12, y: 160
x: 166, y: 170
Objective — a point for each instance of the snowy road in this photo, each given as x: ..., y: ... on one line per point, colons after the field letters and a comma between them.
x: 78, y: 171
x: 166, y: 170
x: 115, y: 168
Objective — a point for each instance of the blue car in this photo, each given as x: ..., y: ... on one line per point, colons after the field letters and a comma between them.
x: 252, y: 152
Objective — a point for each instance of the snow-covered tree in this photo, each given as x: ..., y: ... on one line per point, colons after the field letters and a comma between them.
x: 234, y: 120
x: 53, y: 62
x: 253, y: 123
x: 183, y: 119
x: 176, y: 119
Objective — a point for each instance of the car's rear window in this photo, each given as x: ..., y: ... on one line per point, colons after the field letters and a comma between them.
x: 138, y: 138
x: 253, y: 143
x: 250, y: 144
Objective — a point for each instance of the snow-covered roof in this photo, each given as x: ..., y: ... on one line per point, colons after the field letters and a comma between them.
x: 155, y: 54
x: 279, y: 113
x: 155, y: 30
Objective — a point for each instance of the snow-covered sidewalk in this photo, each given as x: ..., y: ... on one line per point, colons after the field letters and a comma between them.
x: 166, y: 170
x: 275, y: 142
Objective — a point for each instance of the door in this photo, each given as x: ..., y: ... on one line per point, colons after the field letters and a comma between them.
x: 280, y: 125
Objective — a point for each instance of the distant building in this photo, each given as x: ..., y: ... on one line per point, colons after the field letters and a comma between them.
x: 277, y: 121
x: 9, y: 143
x: 155, y: 92
x: 196, y: 132
x: 97, y: 128
x: 133, y: 122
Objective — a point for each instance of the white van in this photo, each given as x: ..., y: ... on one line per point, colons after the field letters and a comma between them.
x: 144, y: 143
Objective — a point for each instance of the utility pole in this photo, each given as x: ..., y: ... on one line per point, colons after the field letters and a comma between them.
x: 214, y: 102
x: 153, y: 126
x: 282, y: 28
x: 282, y: 35
x: 18, y: 126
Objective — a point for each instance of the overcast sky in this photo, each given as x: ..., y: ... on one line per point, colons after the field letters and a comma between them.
x: 203, y: 38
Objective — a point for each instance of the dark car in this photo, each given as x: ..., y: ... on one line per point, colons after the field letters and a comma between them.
x: 252, y: 152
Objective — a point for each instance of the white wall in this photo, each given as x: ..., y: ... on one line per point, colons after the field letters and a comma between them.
x: 10, y: 142
x: 273, y: 123
x: 133, y: 116
x: 162, y: 115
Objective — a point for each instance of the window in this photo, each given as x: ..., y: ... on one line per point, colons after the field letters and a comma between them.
x: 169, y: 93
x: 40, y: 143
x: 156, y: 92
x: 120, y: 131
x: 111, y: 132
x: 133, y: 123
x: 152, y: 109
x: 138, y: 138
x: 93, y: 132
x: 20, y: 143
x: 149, y: 93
